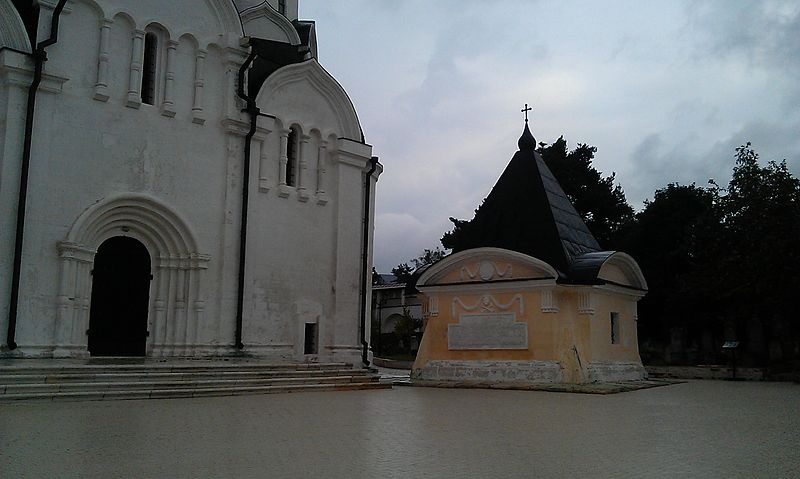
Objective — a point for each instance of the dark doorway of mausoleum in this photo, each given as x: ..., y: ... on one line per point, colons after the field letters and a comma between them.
x: 120, y: 298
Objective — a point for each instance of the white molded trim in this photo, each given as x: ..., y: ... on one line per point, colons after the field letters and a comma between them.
x: 629, y: 267
x: 265, y: 10
x: 164, y: 226
x: 311, y: 72
x: 12, y: 28
x: 439, y: 269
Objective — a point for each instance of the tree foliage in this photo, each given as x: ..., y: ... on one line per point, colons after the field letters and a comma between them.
x: 600, y: 202
x: 722, y: 263
x: 404, y: 271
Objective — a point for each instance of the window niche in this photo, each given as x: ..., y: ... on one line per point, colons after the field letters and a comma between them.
x: 292, y: 149
x: 149, y: 67
x: 614, y: 328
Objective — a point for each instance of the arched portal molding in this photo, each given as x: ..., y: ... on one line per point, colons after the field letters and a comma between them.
x: 177, y: 292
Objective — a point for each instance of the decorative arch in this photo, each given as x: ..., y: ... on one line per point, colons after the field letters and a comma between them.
x: 177, y: 292
x: 250, y: 18
x: 629, y: 268
x: 312, y: 73
x: 437, y: 271
x: 12, y: 28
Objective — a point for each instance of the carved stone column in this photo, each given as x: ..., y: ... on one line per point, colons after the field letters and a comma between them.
x: 302, y: 170
x: 198, y: 116
x: 135, y: 80
x: 168, y: 105
x: 101, y: 86
x: 322, y: 161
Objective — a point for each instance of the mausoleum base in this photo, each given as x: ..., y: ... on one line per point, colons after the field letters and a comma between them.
x: 496, y: 372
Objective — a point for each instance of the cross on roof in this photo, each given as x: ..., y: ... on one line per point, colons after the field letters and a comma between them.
x: 526, y: 110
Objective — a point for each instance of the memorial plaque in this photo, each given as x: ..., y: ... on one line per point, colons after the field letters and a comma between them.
x: 487, y: 331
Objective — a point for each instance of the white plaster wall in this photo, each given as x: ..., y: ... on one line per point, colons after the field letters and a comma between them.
x: 93, y: 143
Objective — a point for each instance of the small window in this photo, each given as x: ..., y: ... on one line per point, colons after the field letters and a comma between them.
x: 291, y: 156
x: 282, y: 7
x: 149, y: 69
x: 614, y: 328
x: 310, y: 339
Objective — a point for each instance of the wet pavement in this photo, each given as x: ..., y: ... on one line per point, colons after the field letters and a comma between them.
x: 695, y: 429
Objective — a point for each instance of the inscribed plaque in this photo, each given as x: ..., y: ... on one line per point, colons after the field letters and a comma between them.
x: 487, y: 331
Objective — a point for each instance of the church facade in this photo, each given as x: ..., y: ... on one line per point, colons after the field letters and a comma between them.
x: 192, y: 182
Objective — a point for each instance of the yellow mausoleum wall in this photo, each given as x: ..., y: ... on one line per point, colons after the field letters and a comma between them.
x: 567, y: 328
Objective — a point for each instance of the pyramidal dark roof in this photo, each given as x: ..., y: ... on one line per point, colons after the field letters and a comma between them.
x: 528, y: 212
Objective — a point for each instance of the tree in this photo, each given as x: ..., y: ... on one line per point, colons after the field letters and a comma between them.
x: 600, y: 202
x: 404, y: 271
x: 406, y: 328
x: 675, y: 241
x: 722, y: 261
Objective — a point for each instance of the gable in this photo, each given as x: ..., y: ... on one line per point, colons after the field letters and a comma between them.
x: 262, y: 21
x: 307, y: 95
x: 485, y: 265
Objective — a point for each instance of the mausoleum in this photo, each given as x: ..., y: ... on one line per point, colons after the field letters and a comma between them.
x: 536, y: 299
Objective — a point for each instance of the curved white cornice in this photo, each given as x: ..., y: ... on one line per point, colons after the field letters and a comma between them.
x: 629, y: 267
x: 311, y: 72
x: 440, y: 269
x: 12, y: 29
x: 265, y: 10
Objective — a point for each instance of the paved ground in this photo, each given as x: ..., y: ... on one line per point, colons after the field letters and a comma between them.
x: 696, y: 429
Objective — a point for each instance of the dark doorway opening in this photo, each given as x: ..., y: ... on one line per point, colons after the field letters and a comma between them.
x: 310, y: 346
x: 120, y: 298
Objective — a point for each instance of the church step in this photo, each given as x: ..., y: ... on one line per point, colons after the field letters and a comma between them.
x: 144, y: 393
x: 172, y: 376
x: 6, y: 370
x: 163, y: 385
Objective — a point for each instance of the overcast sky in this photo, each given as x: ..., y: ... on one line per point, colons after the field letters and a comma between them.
x: 664, y: 90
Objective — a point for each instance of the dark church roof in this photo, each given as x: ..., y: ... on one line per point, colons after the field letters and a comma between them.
x: 528, y: 212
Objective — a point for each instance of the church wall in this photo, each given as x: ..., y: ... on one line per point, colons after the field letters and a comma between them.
x: 12, y: 114
x: 97, y: 146
x: 97, y: 143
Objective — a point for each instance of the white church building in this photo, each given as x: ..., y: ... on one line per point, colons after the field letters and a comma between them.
x: 179, y: 178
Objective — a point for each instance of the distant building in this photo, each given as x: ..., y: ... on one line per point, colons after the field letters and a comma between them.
x: 391, y: 300
x: 134, y: 232
x: 534, y: 299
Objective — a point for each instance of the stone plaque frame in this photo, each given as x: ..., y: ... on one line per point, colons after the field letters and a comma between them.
x: 487, y: 331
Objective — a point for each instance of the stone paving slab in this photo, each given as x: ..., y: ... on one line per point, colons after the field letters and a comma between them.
x: 694, y: 429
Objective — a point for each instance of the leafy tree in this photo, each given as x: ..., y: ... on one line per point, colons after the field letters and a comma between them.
x: 404, y: 271
x: 600, y: 202
x: 675, y: 241
x: 406, y: 328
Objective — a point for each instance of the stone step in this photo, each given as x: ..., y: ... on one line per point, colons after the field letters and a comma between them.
x: 6, y: 370
x: 59, y: 377
x: 144, y: 393
x: 164, y: 385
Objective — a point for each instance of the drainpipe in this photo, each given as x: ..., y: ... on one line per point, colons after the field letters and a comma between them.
x: 253, y: 111
x: 364, y: 262
x: 39, y: 57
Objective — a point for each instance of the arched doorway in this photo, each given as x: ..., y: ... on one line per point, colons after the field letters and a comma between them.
x: 120, y: 298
